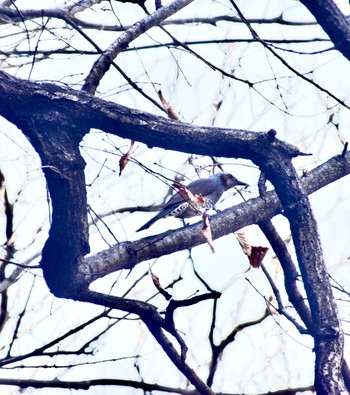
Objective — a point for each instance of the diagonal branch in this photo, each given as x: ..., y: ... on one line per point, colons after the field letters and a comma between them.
x: 126, y: 255
x: 327, y: 332
x: 103, y: 63
x: 156, y: 325
x: 290, y: 273
x: 332, y: 21
x: 284, y: 62
x: 62, y: 116
x: 88, y: 112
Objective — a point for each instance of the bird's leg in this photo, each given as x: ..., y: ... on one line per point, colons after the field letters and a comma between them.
x: 184, y: 223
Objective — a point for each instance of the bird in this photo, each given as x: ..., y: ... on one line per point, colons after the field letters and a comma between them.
x: 206, y: 192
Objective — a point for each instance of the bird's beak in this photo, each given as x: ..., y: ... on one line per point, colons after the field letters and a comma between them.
x: 242, y: 183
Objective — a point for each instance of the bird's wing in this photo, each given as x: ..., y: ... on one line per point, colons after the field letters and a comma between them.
x: 197, y: 187
x: 202, y: 186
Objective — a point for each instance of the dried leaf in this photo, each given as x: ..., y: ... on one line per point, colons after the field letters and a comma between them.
x: 184, y: 192
x: 156, y: 283
x: 172, y: 114
x: 257, y: 255
x: 126, y: 157
x: 206, y: 230
x: 195, y: 200
x: 243, y: 241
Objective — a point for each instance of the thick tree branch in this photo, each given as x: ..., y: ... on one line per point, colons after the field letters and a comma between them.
x: 60, y: 120
x: 327, y: 330
x: 127, y: 254
x: 56, y: 120
x: 91, y: 112
x: 333, y: 22
x: 147, y: 387
x: 89, y: 384
x: 51, y: 133
x: 290, y: 273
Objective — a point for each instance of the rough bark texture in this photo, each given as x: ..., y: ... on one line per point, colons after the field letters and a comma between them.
x: 125, y: 255
x: 56, y: 139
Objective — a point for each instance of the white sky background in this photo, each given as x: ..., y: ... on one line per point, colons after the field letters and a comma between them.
x: 263, y: 358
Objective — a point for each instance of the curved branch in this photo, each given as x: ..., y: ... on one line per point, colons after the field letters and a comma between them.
x: 332, y: 21
x: 103, y: 63
x: 61, y: 118
x: 156, y: 326
x: 91, y: 112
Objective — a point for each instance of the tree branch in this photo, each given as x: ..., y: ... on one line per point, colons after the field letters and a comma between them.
x: 103, y: 63
x: 333, y: 22
x: 125, y: 255
x: 91, y: 112
x: 149, y: 387
x: 327, y: 332
x: 156, y: 325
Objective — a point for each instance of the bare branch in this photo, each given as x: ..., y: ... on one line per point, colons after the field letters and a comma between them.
x: 103, y: 63
x: 155, y: 324
x: 284, y: 62
x: 290, y: 273
x: 332, y: 21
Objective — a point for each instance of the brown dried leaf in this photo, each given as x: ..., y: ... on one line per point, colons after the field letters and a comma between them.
x: 187, y: 194
x: 257, y: 255
x: 126, y: 157
x: 156, y: 283
x: 195, y: 200
x: 172, y: 114
x: 243, y: 241
x: 206, y: 231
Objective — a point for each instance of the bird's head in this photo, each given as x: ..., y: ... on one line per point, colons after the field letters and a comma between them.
x: 229, y: 181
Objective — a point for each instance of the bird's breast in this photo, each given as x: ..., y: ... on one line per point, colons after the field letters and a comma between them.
x: 179, y: 211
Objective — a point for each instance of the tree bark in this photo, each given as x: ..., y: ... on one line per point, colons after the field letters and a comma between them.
x: 333, y: 22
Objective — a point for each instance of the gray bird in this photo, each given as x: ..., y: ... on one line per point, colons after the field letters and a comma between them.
x: 209, y: 190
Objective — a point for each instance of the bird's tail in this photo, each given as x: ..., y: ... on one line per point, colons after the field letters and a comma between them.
x: 150, y: 222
